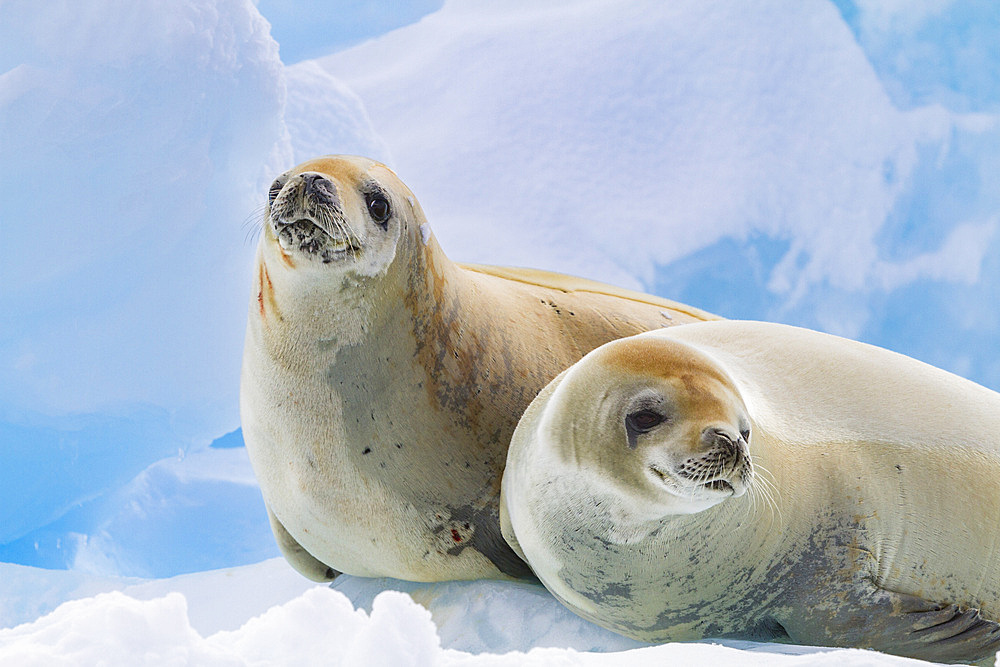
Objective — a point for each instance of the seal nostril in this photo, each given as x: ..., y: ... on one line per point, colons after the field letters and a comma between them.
x: 717, y: 438
x: 318, y: 185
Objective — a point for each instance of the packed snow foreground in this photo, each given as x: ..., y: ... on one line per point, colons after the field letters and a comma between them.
x: 222, y: 618
x: 134, y: 143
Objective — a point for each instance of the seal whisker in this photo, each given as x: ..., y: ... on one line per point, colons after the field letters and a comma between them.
x: 768, y: 490
x: 753, y: 493
x: 325, y: 221
x: 337, y: 227
x: 352, y: 238
x: 766, y: 478
x: 254, y: 223
x: 757, y: 502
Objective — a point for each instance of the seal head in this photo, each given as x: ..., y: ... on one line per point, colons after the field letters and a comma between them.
x: 318, y: 217
x: 672, y: 435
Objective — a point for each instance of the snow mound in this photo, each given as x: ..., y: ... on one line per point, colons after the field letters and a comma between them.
x: 136, y: 148
x: 192, y: 511
x: 322, y: 626
x: 748, y: 161
x: 676, y: 125
x: 326, y: 117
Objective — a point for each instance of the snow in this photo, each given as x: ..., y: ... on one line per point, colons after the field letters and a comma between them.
x: 732, y: 128
x: 267, y: 614
x: 312, y: 28
x: 765, y: 140
x: 827, y: 164
x: 190, y: 511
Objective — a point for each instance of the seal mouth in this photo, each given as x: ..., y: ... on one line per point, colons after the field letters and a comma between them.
x: 306, y: 236
x: 664, y: 477
x: 720, y: 485
x: 732, y: 482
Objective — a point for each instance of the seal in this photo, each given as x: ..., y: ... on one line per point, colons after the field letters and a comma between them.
x: 760, y: 481
x: 381, y: 382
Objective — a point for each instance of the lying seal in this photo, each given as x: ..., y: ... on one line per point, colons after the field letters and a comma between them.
x: 381, y: 382
x: 760, y: 481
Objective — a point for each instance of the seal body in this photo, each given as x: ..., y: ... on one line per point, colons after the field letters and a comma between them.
x: 760, y: 481
x: 381, y: 382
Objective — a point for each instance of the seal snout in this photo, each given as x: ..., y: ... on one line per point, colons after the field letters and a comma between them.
x: 723, y: 466
x: 714, y: 437
x: 320, y: 189
x: 310, y: 196
x: 307, y: 216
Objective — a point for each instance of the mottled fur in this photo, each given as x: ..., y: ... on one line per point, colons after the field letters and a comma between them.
x: 870, y: 519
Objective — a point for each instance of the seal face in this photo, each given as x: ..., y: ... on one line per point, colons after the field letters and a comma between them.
x: 308, y: 216
x: 689, y: 427
x: 758, y: 481
x: 308, y: 219
x: 381, y: 382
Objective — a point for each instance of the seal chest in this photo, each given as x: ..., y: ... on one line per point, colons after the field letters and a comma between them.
x: 381, y: 382
x: 759, y: 481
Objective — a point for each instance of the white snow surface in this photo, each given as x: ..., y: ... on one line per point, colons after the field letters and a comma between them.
x: 612, y: 138
x: 265, y: 614
x: 134, y: 148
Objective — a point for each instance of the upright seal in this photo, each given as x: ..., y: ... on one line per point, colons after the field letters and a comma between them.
x: 382, y: 382
x: 760, y: 481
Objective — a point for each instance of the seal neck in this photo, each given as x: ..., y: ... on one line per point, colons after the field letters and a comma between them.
x: 627, y: 525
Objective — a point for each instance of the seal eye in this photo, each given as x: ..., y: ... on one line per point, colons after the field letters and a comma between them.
x: 643, y: 420
x: 378, y: 208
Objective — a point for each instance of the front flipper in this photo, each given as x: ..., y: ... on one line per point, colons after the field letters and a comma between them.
x: 295, y: 553
x: 897, y: 623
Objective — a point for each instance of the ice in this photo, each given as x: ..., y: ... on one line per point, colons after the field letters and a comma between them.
x: 758, y: 163
x: 135, y: 148
x: 199, y: 511
x: 311, y: 28
x: 931, y: 51
x: 825, y: 164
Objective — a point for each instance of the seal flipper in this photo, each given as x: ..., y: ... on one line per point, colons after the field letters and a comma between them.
x: 901, y: 624
x: 488, y: 540
x: 303, y: 561
x: 950, y: 632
